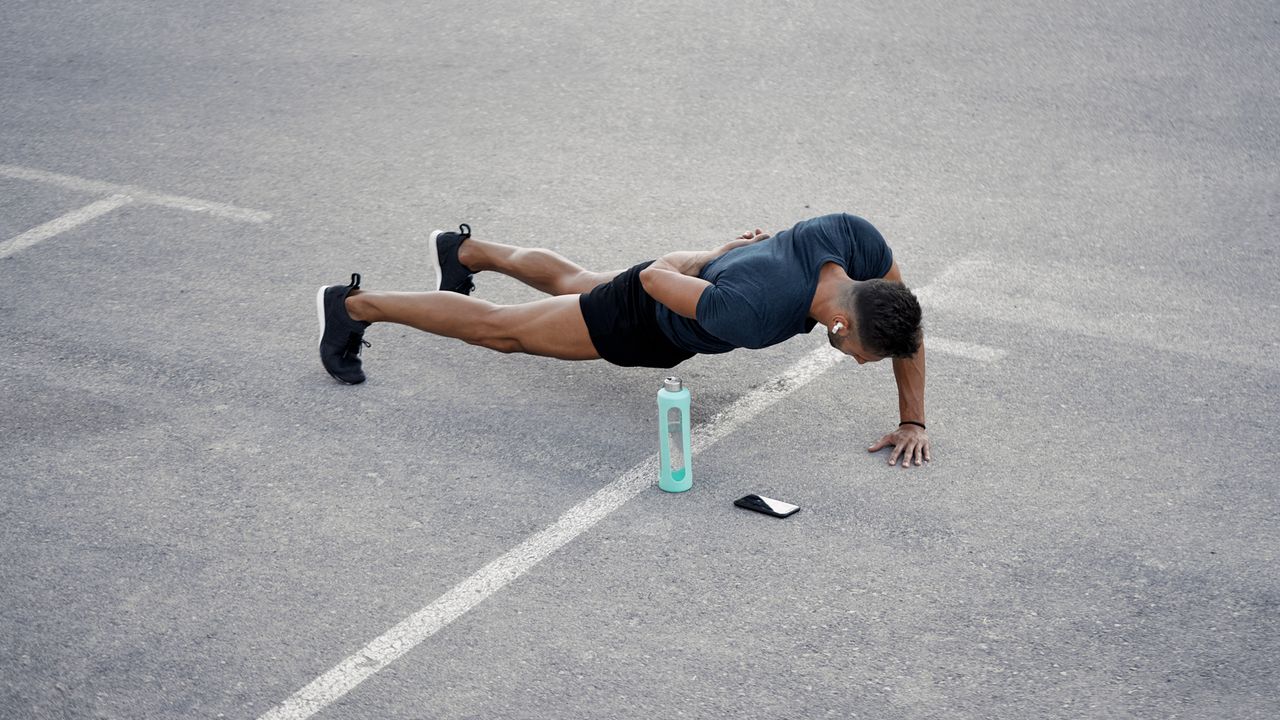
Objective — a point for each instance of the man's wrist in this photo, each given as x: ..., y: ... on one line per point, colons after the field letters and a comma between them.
x: 698, y: 261
x: 913, y: 422
x: 683, y: 262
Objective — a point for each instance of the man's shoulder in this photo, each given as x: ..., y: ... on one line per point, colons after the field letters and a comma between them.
x: 861, y: 247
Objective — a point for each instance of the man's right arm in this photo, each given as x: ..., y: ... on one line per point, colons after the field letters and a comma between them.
x: 673, y: 281
x: 673, y: 278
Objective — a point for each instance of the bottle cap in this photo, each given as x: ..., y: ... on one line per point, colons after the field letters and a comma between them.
x: 672, y: 384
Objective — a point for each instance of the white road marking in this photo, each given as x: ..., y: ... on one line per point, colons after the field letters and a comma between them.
x: 139, y: 195
x: 1126, y: 306
x: 405, y: 636
x: 73, y: 219
x: 972, y: 351
x: 413, y: 630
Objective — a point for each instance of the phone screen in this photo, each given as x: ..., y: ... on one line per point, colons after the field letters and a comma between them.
x: 766, y: 505
x: 779, y: 507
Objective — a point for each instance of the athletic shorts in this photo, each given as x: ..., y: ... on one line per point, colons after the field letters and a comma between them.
x: 623, y: 322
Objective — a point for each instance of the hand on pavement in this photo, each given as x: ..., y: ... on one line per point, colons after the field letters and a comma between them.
x: 911, y: 442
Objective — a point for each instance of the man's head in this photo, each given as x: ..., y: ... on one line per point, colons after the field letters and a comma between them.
x: 885, y: 321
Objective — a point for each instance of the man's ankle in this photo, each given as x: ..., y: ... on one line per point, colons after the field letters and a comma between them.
x: 356, y: 306
x: 470, y: 255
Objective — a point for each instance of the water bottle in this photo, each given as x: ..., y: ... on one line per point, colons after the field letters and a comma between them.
x: 674, y: 471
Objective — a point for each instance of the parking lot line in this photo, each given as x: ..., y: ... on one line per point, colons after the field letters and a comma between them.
x: 139, y: 195
x: 411, y: 631
x: 972, y: 351
x: 73, y: 219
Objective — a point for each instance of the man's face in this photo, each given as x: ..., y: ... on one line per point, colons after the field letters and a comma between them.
x: 849, y: 345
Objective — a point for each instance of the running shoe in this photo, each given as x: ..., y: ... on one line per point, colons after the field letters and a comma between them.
x: 451, y: 274
x: 341, y: 337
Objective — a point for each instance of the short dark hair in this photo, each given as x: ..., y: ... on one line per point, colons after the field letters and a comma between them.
x: 888, y: 317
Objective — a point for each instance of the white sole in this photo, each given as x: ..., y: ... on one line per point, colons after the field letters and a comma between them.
x: 320, y: 313
x: 435, y: 257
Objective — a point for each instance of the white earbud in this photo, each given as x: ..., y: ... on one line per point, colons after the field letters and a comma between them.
x: 837, y: 327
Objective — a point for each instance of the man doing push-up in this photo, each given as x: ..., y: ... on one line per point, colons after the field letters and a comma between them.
x: 754, y: 291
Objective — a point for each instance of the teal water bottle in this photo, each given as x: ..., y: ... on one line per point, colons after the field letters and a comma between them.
x: 675, y: 474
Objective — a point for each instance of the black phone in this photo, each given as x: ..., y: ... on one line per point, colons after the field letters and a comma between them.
x: 768, y: 506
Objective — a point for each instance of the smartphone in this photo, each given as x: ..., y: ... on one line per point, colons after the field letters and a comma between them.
x: 768, y: 506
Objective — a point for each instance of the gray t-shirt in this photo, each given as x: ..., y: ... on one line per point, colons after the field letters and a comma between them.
x: 760, y: 293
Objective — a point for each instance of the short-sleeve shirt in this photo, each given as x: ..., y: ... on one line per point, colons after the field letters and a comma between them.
x: 760, y: 294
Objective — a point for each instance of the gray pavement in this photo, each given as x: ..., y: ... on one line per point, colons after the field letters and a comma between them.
x: 196, y: 521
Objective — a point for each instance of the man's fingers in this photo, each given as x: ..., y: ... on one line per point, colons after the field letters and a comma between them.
x: 911, y: 454
x: 912, y: 451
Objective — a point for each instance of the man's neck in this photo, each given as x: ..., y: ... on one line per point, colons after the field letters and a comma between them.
x: 833, y: 282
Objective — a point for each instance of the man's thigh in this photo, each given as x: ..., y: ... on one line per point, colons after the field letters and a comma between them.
x: 588, y: 281
x: 551, y: 327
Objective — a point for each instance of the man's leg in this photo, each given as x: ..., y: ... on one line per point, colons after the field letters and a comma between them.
x: 552, y: 327
x: 540, y: 269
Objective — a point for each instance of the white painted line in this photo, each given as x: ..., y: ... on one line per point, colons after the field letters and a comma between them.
x: 413, y: 630
x: 981, y: 353
x: 140, y: 195
x: 1127, y: 306
x: 421, y: 625
x: 73, y: 219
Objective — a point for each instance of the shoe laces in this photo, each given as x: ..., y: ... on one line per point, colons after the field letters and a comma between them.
x: 355, y: 342
x: 464, y: 231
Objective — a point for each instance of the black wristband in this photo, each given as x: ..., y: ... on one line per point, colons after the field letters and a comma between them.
x: 912, y: 422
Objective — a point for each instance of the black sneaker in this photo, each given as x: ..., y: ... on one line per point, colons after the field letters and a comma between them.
x: 341, y: 338
x: 451, y: 274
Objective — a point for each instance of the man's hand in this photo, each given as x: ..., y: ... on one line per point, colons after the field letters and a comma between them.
x: 673, y: 278
x: 700, y: 260
x: 909, y: 441
x: 691, y: 262
x: 746, y: 238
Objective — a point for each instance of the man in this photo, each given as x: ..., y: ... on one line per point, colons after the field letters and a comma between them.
x: 752, y: 292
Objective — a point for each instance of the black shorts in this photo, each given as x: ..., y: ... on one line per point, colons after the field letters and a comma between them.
x: 623, y: 322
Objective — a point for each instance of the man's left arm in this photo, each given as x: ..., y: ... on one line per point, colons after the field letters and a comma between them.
x: 909, y: 441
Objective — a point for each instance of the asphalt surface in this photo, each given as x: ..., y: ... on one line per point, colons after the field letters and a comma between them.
x: 196, y: 521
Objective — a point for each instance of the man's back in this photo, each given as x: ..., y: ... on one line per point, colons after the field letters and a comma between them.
x: 761, y: 293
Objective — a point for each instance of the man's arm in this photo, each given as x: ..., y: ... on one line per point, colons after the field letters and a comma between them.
x: 673, y: 278
x: 673, y: 281
x: 911, y: 442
